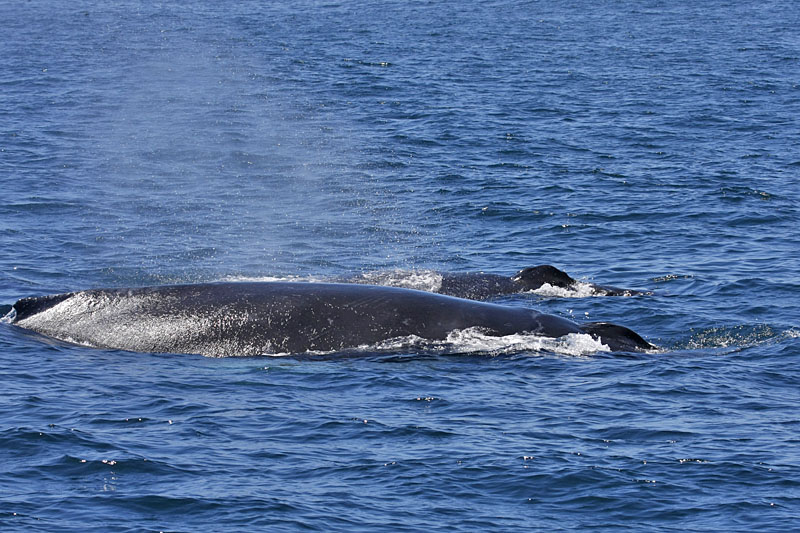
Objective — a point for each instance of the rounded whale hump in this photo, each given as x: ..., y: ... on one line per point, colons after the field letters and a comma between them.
x: 534, y: 277
x: 617, y: 338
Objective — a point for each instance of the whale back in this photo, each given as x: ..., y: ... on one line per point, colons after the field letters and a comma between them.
x: 476, y: 286
x: 265, y: 318
x: 222, y: 319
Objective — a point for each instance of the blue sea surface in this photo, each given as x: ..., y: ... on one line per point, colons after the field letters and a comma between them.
x: 652, y: 145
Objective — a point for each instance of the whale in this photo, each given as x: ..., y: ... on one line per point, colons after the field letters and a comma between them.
x: 484, y: 286
x: 267, y: 318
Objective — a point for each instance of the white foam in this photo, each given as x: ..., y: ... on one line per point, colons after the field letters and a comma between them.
x: 477, y: 341
x: 578, y: 289
x: 474, y: 340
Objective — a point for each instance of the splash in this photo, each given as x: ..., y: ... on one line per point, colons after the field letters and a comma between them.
x: 578, y: 289
x: 739, y: 337
x: 473, y: 340
x: 423, y: 280
x: 477, y: 342
x: 7, y: 314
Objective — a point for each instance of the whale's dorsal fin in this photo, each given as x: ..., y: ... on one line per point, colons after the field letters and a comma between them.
x: 534, y: 277
x: 618, y: 338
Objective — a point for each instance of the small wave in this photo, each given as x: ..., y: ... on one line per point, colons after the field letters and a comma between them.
x: 7, y: 314
x: 671, y: 277
x: 739, y: 337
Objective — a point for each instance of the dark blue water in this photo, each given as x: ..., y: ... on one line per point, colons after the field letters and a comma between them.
x: 650, y: 145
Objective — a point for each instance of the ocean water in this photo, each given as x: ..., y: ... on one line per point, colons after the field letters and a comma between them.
x: 649, y: 145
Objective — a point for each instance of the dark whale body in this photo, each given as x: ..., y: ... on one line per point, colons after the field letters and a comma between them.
x: 483, y: 286
x: 281, y: 317
x: 480, y: 286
